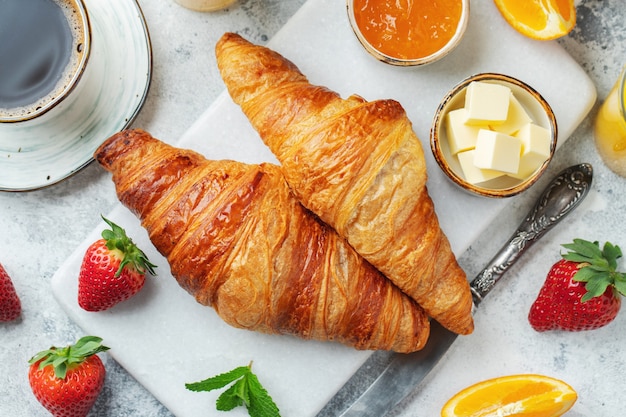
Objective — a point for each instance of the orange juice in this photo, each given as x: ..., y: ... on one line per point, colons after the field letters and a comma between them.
x: 205, y: 5
x: 610, y: 127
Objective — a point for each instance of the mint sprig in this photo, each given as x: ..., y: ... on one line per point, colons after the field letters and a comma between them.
x: 245, y: 390
x: 598, y: 267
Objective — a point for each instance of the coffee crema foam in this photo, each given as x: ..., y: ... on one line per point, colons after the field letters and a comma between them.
x: 58, y: 80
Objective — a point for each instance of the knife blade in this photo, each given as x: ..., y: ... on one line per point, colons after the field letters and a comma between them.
x: 401, y: 374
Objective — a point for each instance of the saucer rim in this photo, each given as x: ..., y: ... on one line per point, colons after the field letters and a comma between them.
x: 143, y: 35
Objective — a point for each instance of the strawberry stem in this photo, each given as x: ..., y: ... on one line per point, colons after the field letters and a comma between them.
x: 134, y: 257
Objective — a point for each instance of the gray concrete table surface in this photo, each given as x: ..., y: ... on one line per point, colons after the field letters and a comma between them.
x: 40, y: 229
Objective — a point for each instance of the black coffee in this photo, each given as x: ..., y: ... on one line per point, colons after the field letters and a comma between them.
x: 37, y: 45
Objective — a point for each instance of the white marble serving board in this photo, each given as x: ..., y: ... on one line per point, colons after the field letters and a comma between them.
x: 164, y: 339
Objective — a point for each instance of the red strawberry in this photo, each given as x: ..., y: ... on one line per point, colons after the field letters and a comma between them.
x: 113, y: 270
x: 582, y: 291
x: 10, y: 306
x: 67, y: 381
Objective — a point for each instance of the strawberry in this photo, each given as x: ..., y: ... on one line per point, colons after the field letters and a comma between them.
x: 582, y: 291
x: 10, y: 305
x: 67, y: 381
x: 113, y: 270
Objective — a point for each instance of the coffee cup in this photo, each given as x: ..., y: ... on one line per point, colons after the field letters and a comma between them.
x: 43, y: 54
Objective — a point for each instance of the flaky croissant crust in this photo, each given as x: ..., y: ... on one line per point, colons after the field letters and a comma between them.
x: 237, y: 240
x: 359, y: 166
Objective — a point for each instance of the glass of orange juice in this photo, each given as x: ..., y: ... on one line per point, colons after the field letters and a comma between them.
x: 205, y: 5
x: 610, y: 127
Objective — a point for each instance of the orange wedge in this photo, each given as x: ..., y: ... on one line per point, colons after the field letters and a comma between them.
x: 539, y: 19
x: 526, y: 395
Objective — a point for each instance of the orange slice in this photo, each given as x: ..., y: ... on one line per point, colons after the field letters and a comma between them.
x: 527, y: 395
x: 539, y: 19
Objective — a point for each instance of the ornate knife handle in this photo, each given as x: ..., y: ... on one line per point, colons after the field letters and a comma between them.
x: 560, y: 197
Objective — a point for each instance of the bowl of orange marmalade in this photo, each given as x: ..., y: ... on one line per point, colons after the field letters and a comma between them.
x: 408, y: 32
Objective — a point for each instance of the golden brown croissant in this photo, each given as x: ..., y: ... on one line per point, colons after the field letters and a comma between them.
x: 239, y: 241
x: 359, y: 166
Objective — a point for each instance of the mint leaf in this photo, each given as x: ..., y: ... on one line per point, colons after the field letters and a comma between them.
x: 245, y: 390
x: 234, y: 396
x: 218, y: 381
x: 261, y: 404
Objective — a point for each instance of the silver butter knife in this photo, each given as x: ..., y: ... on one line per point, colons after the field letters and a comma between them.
x: 400, y: 374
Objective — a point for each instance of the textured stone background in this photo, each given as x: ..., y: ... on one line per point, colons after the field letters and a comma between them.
x: 39, y: 230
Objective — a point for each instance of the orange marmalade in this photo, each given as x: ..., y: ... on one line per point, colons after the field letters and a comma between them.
x: 408, y: 29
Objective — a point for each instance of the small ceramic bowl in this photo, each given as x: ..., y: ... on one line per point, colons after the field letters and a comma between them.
x: 416, y: 58
x: 505, y: 186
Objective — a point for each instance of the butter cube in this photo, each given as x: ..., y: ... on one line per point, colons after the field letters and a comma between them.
x: 461, y: 137
x: 473, y: 174
x: 495, y: 150
x: 535, y: 149
x: 486, y: 103
x: 516, y: 118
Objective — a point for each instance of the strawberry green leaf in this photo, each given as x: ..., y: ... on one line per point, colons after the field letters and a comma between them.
x: 598, y: 267
x: 134, y: 257
x: 620, y: 283
x: 576, y: 257
x: 584, y: 248
x: 61, y: 359
x: 87, y: 346
x: 60, y: 370
x: 585, y: 274
x: 612, y: 254
x: 596, y: 286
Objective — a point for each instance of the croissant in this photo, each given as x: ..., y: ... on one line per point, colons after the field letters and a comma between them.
x: 359, y: 166
x: 239, y: 241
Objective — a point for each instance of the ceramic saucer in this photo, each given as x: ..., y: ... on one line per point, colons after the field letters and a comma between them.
x: 44, y: 151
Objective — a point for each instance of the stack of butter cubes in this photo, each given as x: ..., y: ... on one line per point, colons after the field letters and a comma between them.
x: 494, y: 136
